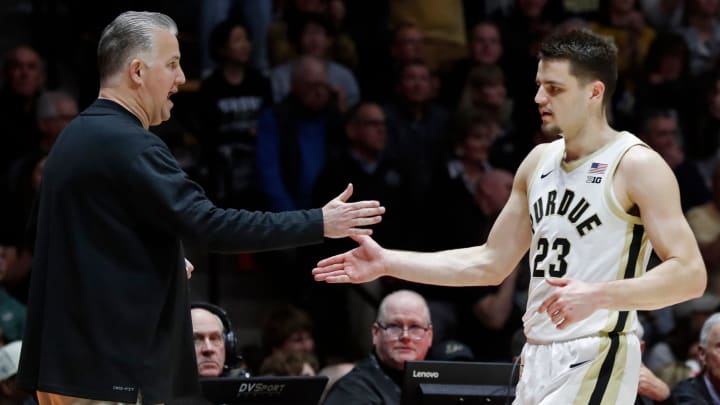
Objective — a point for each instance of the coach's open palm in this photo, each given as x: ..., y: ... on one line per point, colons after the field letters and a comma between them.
x: 362, y: 264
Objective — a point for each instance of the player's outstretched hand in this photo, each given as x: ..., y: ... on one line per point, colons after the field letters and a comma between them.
x: 362, y: 264
x: 571, y: 302
x: 341, y: 218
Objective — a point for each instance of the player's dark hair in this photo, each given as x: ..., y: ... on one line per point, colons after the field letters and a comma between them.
x: 591, y: 57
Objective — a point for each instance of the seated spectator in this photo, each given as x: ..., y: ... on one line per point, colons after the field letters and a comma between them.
x: 258, y: 15
x: 314, y: 37
x: 704, y: 388
x: 401, y: 333
x: 288, y: 329
x: 10, y: 394
x: 296, y: 135
x: 407, y: 44
x: 215, y: 343
x: 229, y: 104
x: 290, y: 363
x: 485, y: 93
x: 295, y: 139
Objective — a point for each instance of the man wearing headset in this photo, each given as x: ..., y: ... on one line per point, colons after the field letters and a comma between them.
x: 215, y: 346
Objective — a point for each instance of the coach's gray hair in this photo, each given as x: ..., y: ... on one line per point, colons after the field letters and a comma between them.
x: 128, y: 36
x: 710, y: 323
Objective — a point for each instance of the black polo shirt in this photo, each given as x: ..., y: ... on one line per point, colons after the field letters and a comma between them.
x: 108, y: 313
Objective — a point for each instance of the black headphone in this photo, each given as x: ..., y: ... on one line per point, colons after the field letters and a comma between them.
x: 232, y: 357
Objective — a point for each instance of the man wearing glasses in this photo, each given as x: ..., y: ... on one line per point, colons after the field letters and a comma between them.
x: 401, y: 333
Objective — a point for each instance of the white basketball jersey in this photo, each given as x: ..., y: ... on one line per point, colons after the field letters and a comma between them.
x: 581, y: 232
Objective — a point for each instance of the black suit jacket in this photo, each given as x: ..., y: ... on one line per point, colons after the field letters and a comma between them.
x: 692, y: 391
x: 108, y: 313
x: 366, y: 384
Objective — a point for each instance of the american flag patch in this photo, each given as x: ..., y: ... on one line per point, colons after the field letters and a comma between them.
x: 597, y: 168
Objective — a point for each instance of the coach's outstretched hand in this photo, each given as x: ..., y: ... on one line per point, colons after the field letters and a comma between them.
x: 364, y: 263
x: 341, y: 218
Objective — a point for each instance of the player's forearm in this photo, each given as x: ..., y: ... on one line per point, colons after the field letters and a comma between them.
x: 458, y: 267
x: 671, y: 282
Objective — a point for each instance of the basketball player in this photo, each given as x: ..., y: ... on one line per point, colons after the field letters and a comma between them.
x: 589, y: 206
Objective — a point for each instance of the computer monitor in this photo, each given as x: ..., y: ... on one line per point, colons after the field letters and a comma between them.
x: 454, y: 382
x: 295, y: 390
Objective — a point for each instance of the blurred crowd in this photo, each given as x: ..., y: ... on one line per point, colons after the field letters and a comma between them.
x: 426, y: 106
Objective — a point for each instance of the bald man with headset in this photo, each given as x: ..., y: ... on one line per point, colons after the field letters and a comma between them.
x: 216, y: 348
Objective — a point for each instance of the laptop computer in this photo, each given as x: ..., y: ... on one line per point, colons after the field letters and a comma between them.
x: 295, y: 390
x: 453, y: 382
